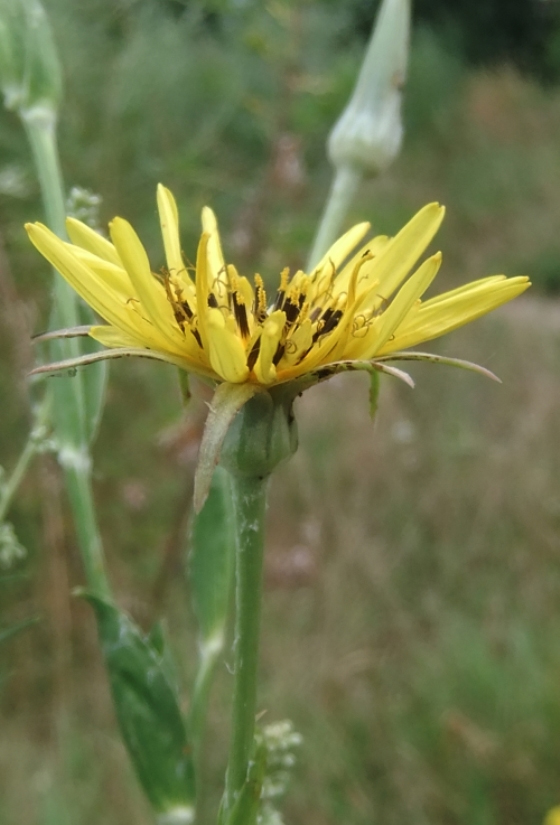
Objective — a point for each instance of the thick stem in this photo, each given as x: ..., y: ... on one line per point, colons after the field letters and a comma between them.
x: 344, y: 186
x: 249, y: 498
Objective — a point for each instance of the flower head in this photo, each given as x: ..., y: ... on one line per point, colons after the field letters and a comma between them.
x: 357, y: 309
x: 368, y: 134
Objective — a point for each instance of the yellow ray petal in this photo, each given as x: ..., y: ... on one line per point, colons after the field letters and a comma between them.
x: 227, y: 353
x: 202, y: 288
x: 373, y: 249
x: 101, y: 297
x: 216, y: 264
x: 299, y: 342
x: 437, y: 316
x: 115, y: 277
x: 403, y: 301
x: 148, y: 289
x: 341, y: 248
x: 169, y: 222
x: 114, y: 337
x: 86, y: 237
x: 395, y: 261
x: 264, y: 369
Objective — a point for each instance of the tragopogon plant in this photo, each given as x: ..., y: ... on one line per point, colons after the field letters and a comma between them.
x: 359, y: 306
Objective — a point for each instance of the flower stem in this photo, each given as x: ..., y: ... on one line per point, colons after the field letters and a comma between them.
x: 11, y: 486
x: 343, y: 188
x: 40, y: 126
x: 249, y: 499
x: 78, y: 484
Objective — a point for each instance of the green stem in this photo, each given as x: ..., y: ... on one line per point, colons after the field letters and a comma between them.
x: 344, y: 186
x: 34, y: 443
x: 249, y: 499
x: 78, y: 484
x: 11, y: 486
x: 40, y: 126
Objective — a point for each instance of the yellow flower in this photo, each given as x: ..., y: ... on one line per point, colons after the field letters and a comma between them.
x: 358, y: 308
x: 553, y: 816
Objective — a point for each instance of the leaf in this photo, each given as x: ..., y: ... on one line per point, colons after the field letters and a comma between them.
x: 151, y: 723
x: 211, y: 560
x: 226, y: 403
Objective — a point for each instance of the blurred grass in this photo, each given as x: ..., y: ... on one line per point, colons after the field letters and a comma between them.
x: 411, y: 618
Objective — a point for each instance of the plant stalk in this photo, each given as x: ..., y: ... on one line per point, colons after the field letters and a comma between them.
x: 249, y: 499
x: 11, y: 486
x: 343, y: 188
x: 40, y: 126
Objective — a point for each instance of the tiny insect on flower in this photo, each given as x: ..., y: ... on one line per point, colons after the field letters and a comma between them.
x: 357, y: 309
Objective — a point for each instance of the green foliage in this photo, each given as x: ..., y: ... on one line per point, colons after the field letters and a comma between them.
x: 211, y: 560
x: 147, y: 709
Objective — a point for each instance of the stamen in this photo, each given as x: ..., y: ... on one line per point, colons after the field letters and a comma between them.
x: 284, y: 281
x: 278, y: 354
x: 240, y: 313
x: 259, y: 304
x: 212, y: 301
x: 292, y: 311
x: 254, y: 354
x: 182, y: 312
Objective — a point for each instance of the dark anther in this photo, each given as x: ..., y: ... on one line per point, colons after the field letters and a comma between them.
x: 292, y: 311
x: 180, y: 318
x: 240, y: 312
x: 254, y: 354
x: 332, y: 322
x: 278, y: 354
x: 212, y: 301
x: 197, y: 337
x: 186, y: 309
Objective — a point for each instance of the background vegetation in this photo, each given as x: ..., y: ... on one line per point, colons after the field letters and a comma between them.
x: 411, y: 622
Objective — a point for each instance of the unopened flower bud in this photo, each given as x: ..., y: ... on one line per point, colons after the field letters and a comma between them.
x: 367, y: 137
x: 30, y: 75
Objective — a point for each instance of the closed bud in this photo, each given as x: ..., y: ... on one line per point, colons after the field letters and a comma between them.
x: 30, y: 74
x: 367, y: 137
